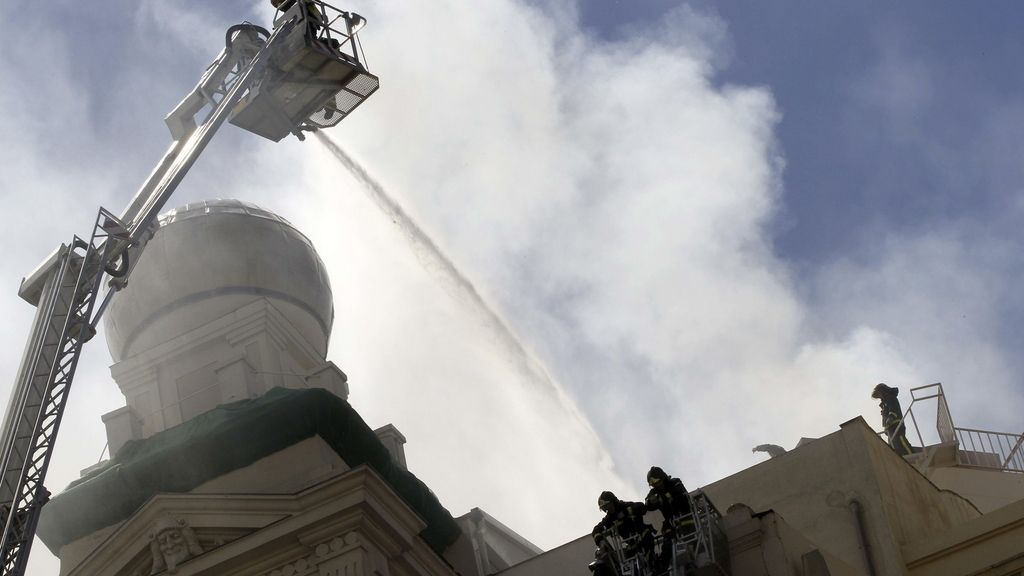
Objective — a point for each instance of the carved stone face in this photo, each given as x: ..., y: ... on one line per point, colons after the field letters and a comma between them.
x: 173, y: 546
x: 172, y: 543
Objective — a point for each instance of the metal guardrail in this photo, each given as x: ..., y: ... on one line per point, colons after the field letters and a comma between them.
x: 984, y: 449
x: 335, y: 28
x: 976, y: 448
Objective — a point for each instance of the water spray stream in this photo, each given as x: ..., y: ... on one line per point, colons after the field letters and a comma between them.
x: 425, y: 247
x: 533, y: 374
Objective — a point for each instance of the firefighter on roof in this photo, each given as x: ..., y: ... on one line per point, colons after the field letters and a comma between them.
x: 892, y: 418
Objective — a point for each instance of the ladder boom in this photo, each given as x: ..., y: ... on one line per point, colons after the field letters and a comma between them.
x: 48, y: 367
x: 190, y: 139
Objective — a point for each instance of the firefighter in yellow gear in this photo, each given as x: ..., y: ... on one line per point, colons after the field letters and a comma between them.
x: 892, y: 418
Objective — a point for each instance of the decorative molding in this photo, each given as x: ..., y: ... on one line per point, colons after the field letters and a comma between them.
x: 171, y: 543
x: 261, y: 293
x: 339, y: 556
x: 394, y: 441
x: 142, y: 377
x: 222, y: 342
x: 358, y: 507
x: 250, y: 320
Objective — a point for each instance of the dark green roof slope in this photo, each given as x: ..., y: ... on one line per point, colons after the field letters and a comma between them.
x: 227, y: 438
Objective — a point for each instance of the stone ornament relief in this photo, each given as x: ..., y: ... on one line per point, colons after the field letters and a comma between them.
x: 172, y: 542
x: 317, y: 562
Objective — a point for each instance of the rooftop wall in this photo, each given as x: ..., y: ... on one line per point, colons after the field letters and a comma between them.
x: 813, y: 488
x: 987, y: 489
x: 569, y: 559
x: 916, y: 508
x: 986, y: 546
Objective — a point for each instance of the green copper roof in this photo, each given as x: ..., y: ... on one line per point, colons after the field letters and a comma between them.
x: 224, y: 439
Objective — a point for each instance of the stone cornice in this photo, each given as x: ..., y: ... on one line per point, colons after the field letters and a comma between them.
x: 1005, y: 523
x: 259, y: 317
x: 358, y: 500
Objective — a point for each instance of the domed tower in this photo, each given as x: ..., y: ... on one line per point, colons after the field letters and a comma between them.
x: 227, y: 301
x: 237, y: 452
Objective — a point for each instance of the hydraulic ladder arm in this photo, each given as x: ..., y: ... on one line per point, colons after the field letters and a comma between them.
x: 64, y: 288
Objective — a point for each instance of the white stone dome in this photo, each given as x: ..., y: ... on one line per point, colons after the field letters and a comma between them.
x: 207, y: 259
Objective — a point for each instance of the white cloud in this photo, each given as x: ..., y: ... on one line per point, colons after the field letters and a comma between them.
x: 941, y: 294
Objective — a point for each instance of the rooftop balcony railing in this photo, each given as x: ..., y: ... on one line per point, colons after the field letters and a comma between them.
x: 983, y: 449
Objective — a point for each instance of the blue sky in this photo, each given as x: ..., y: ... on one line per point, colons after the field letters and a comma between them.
x: 690, y: 213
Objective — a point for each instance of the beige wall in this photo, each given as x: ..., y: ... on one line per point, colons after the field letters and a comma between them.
x: 916, y: 509
x: 766, y: 545
x: 992, y: 545
x: 570, y: 559
x: 486, y: 546
x: 759, y: 545
x: 987, y: 489
x: 812, y: 488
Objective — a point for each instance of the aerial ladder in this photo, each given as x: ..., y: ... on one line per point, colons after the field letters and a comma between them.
x: 309, y: 73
